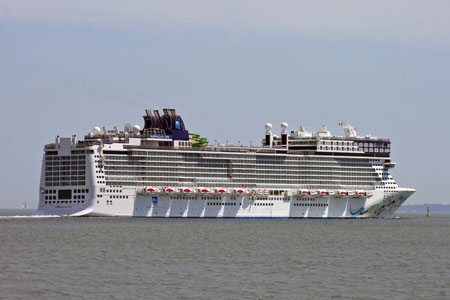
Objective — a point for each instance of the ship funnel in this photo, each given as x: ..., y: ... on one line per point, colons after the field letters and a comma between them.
x: 284, y: 127
x: 269, y: 136
x: 284, y: 134
x: 268, y: 128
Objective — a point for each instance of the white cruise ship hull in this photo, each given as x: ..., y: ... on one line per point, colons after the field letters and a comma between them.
x: 180, y: 206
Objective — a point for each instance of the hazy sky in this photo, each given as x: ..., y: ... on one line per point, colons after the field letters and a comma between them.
x: 228, y: 67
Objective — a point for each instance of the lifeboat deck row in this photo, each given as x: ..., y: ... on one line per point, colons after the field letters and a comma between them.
x: 302, y: 193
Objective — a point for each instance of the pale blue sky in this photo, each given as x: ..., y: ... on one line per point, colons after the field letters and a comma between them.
x: 228, y: 67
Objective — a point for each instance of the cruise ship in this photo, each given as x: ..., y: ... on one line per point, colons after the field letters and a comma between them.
x: 164, y: 171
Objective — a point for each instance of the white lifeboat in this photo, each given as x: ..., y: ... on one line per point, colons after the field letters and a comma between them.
x: 187, y: 190
x: 360, y: 194
x: 342, y: 193
x: 222, y: 191
x: 169, y: 190
x: 304, y: 192
x: 351, y: 193
x: 240, y: 191
x: 313, y: 193
x: 151, y: 190
x: 204, y: 190
x: 331, y: 193
x: 369, y: 193
x: 323, y: 193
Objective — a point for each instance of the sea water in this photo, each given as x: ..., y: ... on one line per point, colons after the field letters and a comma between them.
x: 138, y: 258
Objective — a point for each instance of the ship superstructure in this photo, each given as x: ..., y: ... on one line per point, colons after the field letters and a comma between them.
x: 164, y: 171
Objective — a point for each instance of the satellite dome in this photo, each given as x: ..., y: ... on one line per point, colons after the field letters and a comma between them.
x: 127, y: 127
x: 268, y: 127
x: 96, y: 130
x: 284, y: 126
x: 136, y: 128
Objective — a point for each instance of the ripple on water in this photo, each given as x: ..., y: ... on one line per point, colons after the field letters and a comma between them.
x: 68, y: 258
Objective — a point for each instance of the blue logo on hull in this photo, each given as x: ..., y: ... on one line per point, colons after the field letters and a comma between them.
x: 356, y: 212
x: 154, y: 200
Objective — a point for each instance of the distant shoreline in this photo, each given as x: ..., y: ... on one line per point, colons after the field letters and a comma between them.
x: 420, y: 208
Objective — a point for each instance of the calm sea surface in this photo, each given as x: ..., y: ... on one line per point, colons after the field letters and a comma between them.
x: 134, y: 258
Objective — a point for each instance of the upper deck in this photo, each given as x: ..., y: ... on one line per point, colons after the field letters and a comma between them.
x: 168, y: 132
